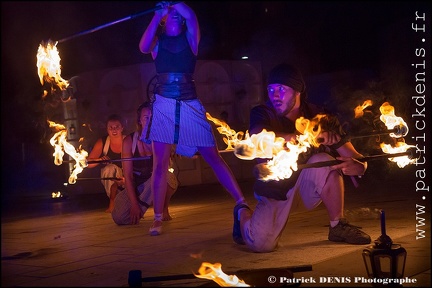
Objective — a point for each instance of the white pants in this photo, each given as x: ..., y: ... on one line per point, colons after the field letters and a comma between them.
x: 263, y: 230
x: 110, y: 170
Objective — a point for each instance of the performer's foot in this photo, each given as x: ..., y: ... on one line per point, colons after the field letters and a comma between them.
x: 166, y: 217
x: 156, y: 228
x: 345, y: 232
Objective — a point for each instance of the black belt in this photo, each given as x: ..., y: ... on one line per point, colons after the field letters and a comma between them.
x: 179, y: 86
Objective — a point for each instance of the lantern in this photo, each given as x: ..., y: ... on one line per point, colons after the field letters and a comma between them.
x: 384, y: 260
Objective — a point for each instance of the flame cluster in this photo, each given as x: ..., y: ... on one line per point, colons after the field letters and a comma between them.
x: 283, y: 155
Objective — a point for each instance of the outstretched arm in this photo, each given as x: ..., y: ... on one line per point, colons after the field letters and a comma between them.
x: 95, y: 153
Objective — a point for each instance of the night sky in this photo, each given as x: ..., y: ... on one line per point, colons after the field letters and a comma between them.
x: 320, y: 37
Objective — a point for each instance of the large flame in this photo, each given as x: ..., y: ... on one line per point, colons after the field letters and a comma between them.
x: 49, y: 68
x: 60, y: 144
x: 283, y: 155
x: 214, y: 272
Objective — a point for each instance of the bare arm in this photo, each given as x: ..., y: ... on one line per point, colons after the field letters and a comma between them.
x: 149, y: 40
x: 347, y: 154
x: 95, y: 153
x: 350, y: 166
x: 193, y: 32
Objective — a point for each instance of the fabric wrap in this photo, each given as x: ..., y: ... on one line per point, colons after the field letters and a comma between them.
x: 180, y: 86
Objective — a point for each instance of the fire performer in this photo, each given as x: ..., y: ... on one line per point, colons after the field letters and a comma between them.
x: 131, y: 203
x: 261, y: 229
x: 106, y: 148
x: 178, y: 116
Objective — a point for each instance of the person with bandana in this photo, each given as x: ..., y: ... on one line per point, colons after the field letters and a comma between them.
x: 178, y: 116
x: 261, y: 229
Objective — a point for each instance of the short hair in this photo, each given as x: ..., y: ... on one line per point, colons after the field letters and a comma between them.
x: 115, y: 117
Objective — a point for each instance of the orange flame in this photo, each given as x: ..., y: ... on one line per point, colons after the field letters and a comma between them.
x: 49, y: 71
x: 401, y: 161
x: 310, y: 128
x: 283, y: 155
x: 215, y: 273
x: 232, y: 137
x: 358, y: 111
x: 390, y: 119
x: 49, y: 68
x: 60, y: 144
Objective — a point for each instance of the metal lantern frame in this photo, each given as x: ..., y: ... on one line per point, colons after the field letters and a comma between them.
x: 384, y: 259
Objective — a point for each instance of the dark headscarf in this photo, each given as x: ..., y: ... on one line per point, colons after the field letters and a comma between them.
x: 287, y: 75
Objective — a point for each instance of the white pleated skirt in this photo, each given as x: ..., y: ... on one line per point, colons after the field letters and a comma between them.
x: 183, y: 123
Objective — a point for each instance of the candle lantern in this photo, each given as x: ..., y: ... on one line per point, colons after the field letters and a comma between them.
x: 385, y: 259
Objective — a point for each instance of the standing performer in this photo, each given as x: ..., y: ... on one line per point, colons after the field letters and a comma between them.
x: 178, y: 116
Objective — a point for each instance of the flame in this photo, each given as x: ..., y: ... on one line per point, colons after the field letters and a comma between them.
x: 262, y: 145
x: 60, y: 144
x: 283, y: 155
x: 391, y: 120
x: 49, y: 71
x: 57, y: 194
x: 400, y: 146
x: 358, y: 111
x: 232, y: 137
x: 215, y: 273
x: 310, y: 128
x: 49, y: 68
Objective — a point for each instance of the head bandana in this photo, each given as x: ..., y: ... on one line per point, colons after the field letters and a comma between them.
x: 287, y: 75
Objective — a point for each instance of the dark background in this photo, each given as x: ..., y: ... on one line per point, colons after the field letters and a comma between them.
x: 322, y: 38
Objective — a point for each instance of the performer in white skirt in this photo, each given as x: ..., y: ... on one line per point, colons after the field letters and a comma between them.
x: 178, y: 115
